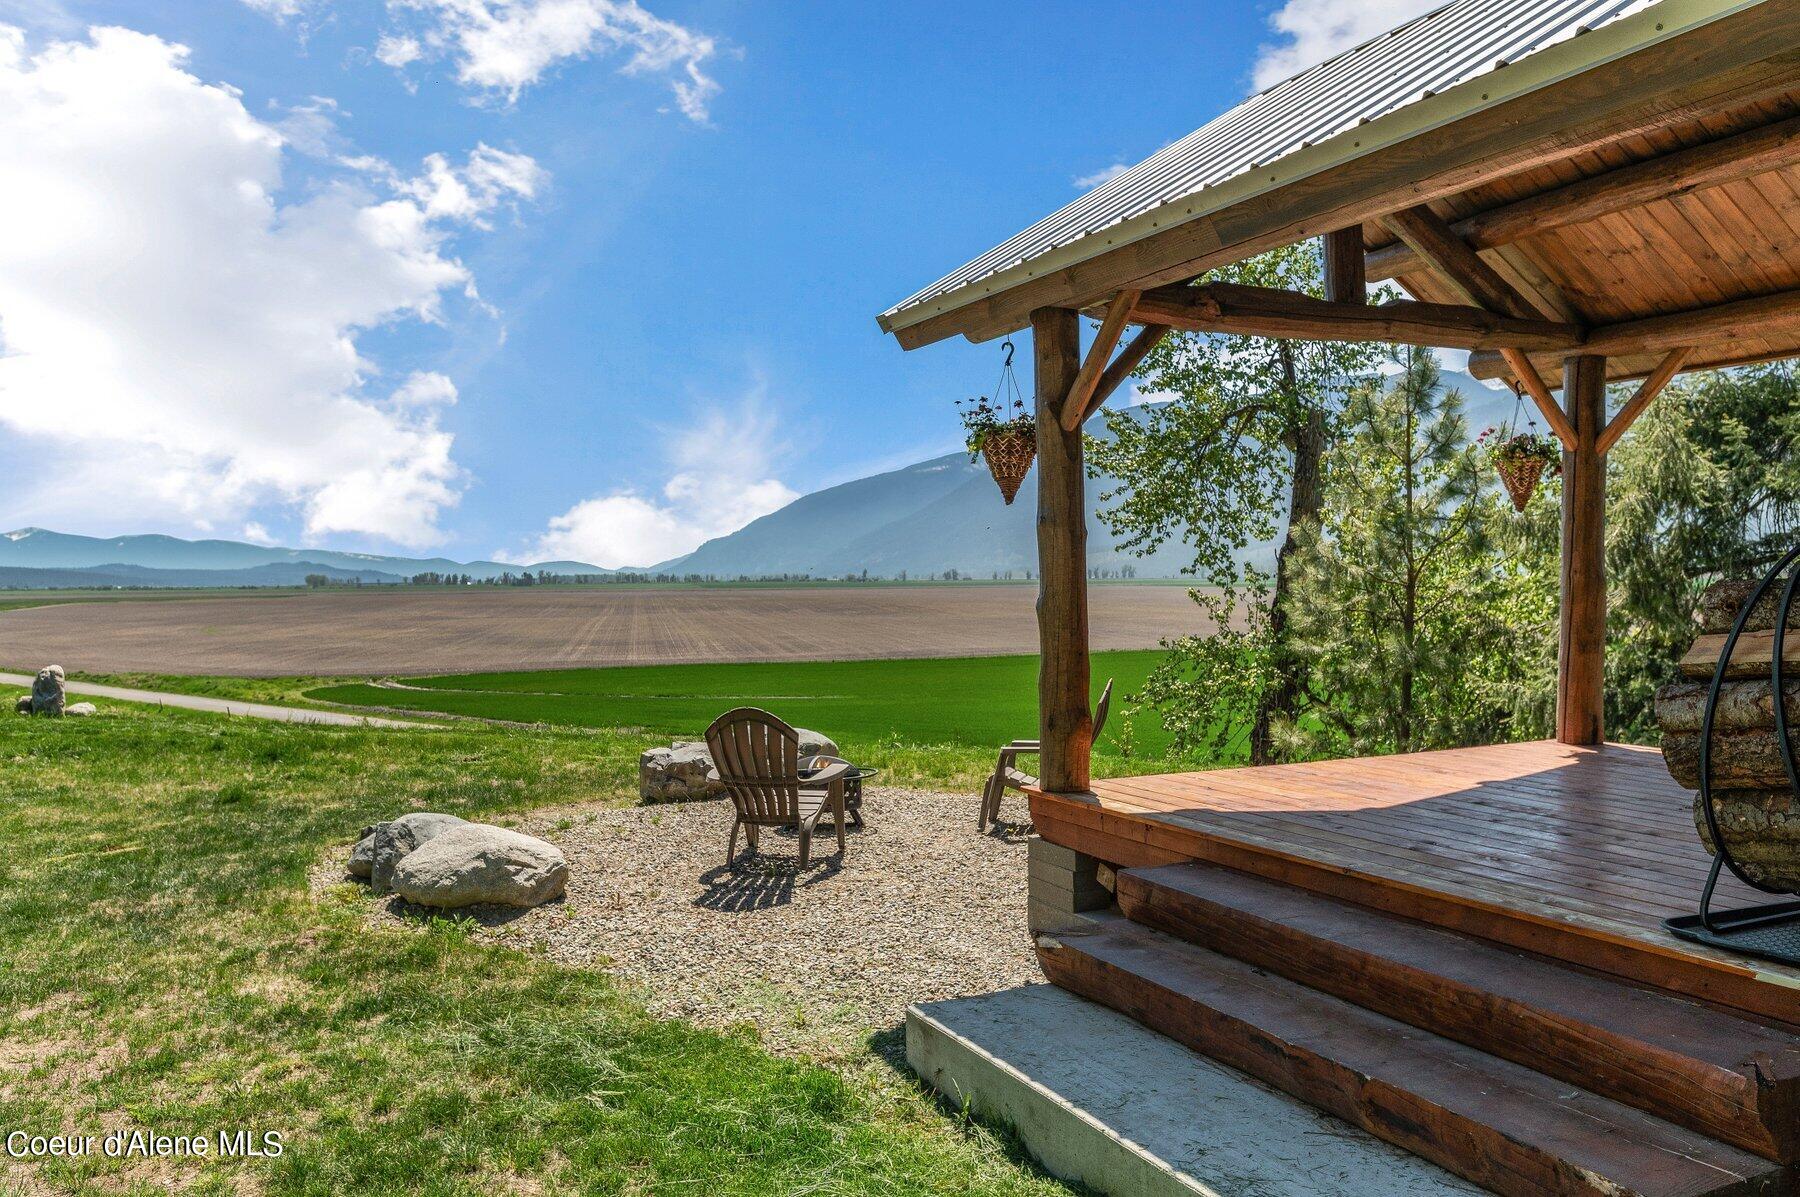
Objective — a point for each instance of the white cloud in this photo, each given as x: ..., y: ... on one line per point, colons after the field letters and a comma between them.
x: 281, y: 10
x: 255, y: 533
x: 1103, y: 175
x: 721, y: 481
x: 398, y: 51
x: 501, y: 47
x: 184, y: 343
x: 1314, y: 30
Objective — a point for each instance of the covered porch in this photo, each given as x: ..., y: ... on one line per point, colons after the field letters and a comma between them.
x: 1460, y: 952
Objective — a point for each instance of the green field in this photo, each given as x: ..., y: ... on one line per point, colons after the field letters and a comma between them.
x: 970, y: 702
x: 167, y: 968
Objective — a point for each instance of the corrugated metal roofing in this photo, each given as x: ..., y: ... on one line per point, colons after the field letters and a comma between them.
x: 1461, y: 41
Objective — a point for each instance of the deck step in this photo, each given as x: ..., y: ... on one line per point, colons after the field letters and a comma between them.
x: 1730, y: 1077
x: 1496, y: 1123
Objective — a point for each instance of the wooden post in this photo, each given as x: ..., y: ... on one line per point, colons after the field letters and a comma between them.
x: 1065, y: 725
x: 1346, y: 274
x: 1581, y: 654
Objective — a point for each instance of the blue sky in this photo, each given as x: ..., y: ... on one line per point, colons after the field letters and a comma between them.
x: 630, y: 304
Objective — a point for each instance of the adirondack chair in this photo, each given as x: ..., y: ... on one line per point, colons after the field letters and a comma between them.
x: 757, y: 757
x: 1007, y: 776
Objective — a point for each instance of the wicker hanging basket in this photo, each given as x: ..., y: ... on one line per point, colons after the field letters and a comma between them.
x: 1520, y: 474
x: 1009, y: 454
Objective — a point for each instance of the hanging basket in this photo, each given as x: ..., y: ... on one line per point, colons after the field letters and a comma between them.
x: 1009, y: 454
x: 1520, y: 474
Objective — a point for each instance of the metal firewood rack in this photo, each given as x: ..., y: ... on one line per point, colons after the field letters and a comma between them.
x: 1770, y: 930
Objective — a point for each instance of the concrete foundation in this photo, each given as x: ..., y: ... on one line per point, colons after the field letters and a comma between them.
x: 1104, y: 1102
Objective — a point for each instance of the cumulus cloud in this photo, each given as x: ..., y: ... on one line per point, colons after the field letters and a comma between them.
x: 501, y: 47
x: 1103, y: 175
x: 722, y: 479
x: 1314, y: 30
x: 181, y: 338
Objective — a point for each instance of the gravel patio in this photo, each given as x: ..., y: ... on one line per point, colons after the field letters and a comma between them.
x: 921, y: 907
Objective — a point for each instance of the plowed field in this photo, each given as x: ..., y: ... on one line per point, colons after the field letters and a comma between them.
x: 425, y: 631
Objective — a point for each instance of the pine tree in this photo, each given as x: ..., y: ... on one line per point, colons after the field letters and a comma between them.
x: 1393, y: 591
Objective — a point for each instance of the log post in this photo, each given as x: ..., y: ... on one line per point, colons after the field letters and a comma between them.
x: 1065, y: 726
x: 1346, y: 273
x: 1581, y: 648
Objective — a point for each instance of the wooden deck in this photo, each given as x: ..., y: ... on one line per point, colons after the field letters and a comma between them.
x: 1574, y: 853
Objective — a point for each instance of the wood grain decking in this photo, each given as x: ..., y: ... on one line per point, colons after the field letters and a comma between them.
x: 1574, y: 853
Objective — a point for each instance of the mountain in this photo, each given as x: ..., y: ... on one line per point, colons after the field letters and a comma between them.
x: 926, y: 519
x: 138, y: 576
x: 946, y: 513
x: 37, y: 548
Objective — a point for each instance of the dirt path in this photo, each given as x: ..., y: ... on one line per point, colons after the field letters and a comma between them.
x: 220, y: 706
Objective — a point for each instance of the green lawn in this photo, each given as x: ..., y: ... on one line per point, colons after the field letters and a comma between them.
x: 166, y: 968
x: 970, y: 702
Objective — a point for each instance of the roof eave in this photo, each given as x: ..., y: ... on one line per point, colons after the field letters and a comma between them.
x: 1565, y: 60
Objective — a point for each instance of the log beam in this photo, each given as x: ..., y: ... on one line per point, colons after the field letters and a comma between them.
x: 1065, y: 726
x: 1581, y: 645
x: 1440, y: 248
x: 1715, y: 329
x: 1123, y: 366
x: 1634, y: 407
x: 1112, y: 327
x: 1268, y: 312
x: 1683, y: 172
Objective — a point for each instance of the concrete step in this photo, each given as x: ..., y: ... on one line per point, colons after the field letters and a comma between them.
x: 1502, y: 1125
x: 1104, y: 1102
x: 1724, y: 1075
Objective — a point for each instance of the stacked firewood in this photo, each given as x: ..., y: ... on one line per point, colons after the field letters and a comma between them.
x: 1757, y: 811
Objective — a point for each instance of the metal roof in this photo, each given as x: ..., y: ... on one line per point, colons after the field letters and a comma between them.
x: 1459, y: 42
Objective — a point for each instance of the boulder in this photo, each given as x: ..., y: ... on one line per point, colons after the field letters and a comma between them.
x: 678, y: 772
x: 382, y: 846
x: 47, y: 697
x: 476, y: 863
x: 22, y: 705
x: 682, y: 770
x: 80, y: 709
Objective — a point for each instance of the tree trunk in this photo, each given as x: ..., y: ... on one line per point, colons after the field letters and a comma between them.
x: 1305, y: 498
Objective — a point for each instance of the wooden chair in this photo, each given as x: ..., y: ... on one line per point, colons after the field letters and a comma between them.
x: 1007, y: 776
x: 757, y: 757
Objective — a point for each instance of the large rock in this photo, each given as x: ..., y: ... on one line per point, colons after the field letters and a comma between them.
x: 676, y: 773
x: 683, y: 770
x: 476, y: 863
x: 384, y: 845
x: 47, y: 696
x: 80, y: 709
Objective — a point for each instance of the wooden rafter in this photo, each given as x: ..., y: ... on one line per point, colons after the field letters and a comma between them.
x: 1267, y: 312
x: 1438, y: 245
x: 1713, y: 164
x: 1112, y: 327
x: 1634, y: 407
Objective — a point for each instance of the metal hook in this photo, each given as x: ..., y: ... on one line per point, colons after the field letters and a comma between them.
x: 1008, y: 346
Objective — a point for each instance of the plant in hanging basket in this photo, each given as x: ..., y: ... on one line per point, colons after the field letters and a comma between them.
x: 1522, y: 460
x: 1008, y: 439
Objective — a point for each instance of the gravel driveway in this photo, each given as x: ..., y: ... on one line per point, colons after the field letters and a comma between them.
x: 921, y: 907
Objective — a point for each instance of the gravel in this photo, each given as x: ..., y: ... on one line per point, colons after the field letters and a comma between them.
x: 921, y: 907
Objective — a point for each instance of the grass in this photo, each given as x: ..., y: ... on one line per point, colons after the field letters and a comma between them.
x: 168, y: 969
x: 970, y: 702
